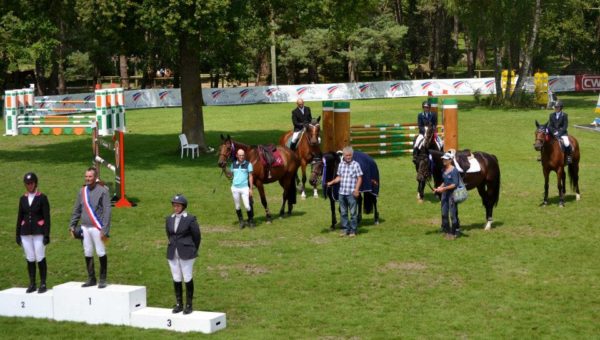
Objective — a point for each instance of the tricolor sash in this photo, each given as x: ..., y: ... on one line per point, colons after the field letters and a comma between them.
x: 88, y: 208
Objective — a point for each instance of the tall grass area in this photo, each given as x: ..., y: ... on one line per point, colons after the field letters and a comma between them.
x: 536, y: 274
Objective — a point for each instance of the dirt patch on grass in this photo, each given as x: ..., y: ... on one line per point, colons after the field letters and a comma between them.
x: 320, y: 240
x: 243, y: 244
x: 404, y: 266
x: 246, y: 268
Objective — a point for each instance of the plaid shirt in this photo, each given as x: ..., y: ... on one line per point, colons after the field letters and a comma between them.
x: 349, y: 173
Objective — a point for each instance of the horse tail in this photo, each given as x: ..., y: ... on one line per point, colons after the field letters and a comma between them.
x: 573, y: 174
x: 495, y: 182
x: 291, y: 191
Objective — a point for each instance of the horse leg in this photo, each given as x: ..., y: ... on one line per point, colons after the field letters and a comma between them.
x: 546, y: 175
x: 375, y: 212
x: 486, y: 195
x: 263, y: 201
x: 560, y: 179
x: 333, y: 214
x: 420, y: 191
x: 303, y: 182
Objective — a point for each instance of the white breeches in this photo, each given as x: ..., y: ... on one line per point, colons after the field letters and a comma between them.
x: 92, y: 239
x: 244, y: 195
x: 565, y: 140
x: 420, y: 139
x: 295, y: 136
x: 181, y: 269
x: 34, y: 248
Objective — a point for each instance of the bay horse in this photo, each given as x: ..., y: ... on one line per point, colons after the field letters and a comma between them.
x: 327, y: 168
x: 423, y: 169
x: 487, y: 181
x: 285, y: 173
x: 553, y: 159
x: 307, y: 149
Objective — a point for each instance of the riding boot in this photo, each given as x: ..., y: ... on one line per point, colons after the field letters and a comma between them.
x: 240, y: 218
x: 414, y: 156
x: 178, y: 297
x: 568, y: 151
x: 189, y: 296
x: 91, y: 281
x: 103, y: 268
x: 251, y: 218
x: 31, y: 270
x: 293, y: 145
x: 43, y: 270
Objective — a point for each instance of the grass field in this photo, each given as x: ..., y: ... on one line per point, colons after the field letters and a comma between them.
x: 535, y: 275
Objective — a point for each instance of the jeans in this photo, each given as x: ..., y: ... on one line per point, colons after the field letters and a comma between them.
x: 348, y: 208
x: 449, y: 207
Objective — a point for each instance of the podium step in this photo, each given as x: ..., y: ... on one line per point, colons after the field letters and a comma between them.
x: 111, y: 305
x: 15, y: 302
x: 163, y: 318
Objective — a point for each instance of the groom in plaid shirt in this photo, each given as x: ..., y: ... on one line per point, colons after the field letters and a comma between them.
x: 349, y: 175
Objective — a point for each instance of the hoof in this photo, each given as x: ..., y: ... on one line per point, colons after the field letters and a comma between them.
x: 488, y: 225
x: 545, y: 203
x: 420, y: 200
x: 577, y: 197
x: 419, y: 196
x: 376, y: 222
x: 561, y: 205
x: 303, y: 196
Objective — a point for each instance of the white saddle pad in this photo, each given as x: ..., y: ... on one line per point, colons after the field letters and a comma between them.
x: 474, y: 165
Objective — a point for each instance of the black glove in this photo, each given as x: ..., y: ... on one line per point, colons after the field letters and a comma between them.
x: 18, y: 240
x: 46, y: 240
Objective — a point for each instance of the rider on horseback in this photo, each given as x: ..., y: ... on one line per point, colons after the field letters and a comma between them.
x: 300, y: 117
x: 557, y: 126
x: 423, y: 119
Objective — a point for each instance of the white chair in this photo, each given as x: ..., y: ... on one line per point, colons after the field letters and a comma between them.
x: 186, y: 146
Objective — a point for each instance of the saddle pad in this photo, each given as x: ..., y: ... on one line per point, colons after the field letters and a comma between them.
x: 474, y: 165
x: 277, y: 159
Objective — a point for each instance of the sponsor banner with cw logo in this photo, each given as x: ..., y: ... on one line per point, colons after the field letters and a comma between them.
x: 587, y: 82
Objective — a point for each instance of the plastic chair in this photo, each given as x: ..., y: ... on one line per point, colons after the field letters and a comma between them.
x: 186, y: 146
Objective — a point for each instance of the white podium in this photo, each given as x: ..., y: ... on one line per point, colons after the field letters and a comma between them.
x: 111, y: 305
x: 163, y: 318
x: 15, y: 302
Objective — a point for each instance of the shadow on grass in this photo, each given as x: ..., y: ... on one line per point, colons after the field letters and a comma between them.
x: 142, y: 151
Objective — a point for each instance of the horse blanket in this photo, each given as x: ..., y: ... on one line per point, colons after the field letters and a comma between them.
x: 370, y: 178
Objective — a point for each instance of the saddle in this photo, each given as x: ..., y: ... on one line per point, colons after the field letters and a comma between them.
x: 463, y: 158
x: 270, y: 156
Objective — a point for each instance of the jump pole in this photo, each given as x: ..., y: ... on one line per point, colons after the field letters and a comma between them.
x: 328, y: 127
x: 450, y: 119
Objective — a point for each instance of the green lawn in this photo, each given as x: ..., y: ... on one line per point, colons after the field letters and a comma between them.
x: 536, y: 274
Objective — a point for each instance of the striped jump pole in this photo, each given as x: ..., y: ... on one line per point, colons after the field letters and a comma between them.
x: 328, y: 127
x: 341, y: 121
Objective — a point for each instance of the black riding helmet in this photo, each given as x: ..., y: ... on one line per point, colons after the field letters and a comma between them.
x: 179, y: 198
x: 426, y: 103
x: 558, y: 104
x: 30, y: 177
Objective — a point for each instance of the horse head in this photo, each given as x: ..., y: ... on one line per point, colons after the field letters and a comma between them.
x: 423, y: 166
x: 541, y: 136
x: 313, y: 130
x: 316, y: 170
x: 226, y: 151
x: 428, y: 136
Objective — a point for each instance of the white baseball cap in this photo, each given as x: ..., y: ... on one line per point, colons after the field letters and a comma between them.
x: 447, y: 155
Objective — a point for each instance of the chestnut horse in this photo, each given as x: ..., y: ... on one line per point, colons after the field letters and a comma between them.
x: 285, y: 174
x: 553, y: 159
x: 307, y: 149
x: 487, y: 181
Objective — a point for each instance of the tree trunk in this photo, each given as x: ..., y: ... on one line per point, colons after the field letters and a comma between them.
x: 469, y: 53
x: 124, y: 71
x: 351, y: 67
x: 526, y: 64
x: 40, y: 82
x: 498, y: 70
x: 481, y: 59
x: 62, y: 84
x: 398, y: 12
x: 192, y: 122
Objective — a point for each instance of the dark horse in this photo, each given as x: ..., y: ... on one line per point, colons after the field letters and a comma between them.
x: 285, y: 173
x: 422, y: 167
x: 307, y: 149
x: 327, y: 168
x: 553, y: 159
x: 487, y: 180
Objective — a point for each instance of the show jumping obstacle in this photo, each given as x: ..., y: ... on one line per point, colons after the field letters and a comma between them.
x: 383, y: 139
x: 26, y: 116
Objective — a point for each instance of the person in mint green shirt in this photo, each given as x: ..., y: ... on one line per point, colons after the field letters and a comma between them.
x: 241, y: 187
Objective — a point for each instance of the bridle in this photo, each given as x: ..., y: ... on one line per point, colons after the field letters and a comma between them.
x: 310, y: 127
